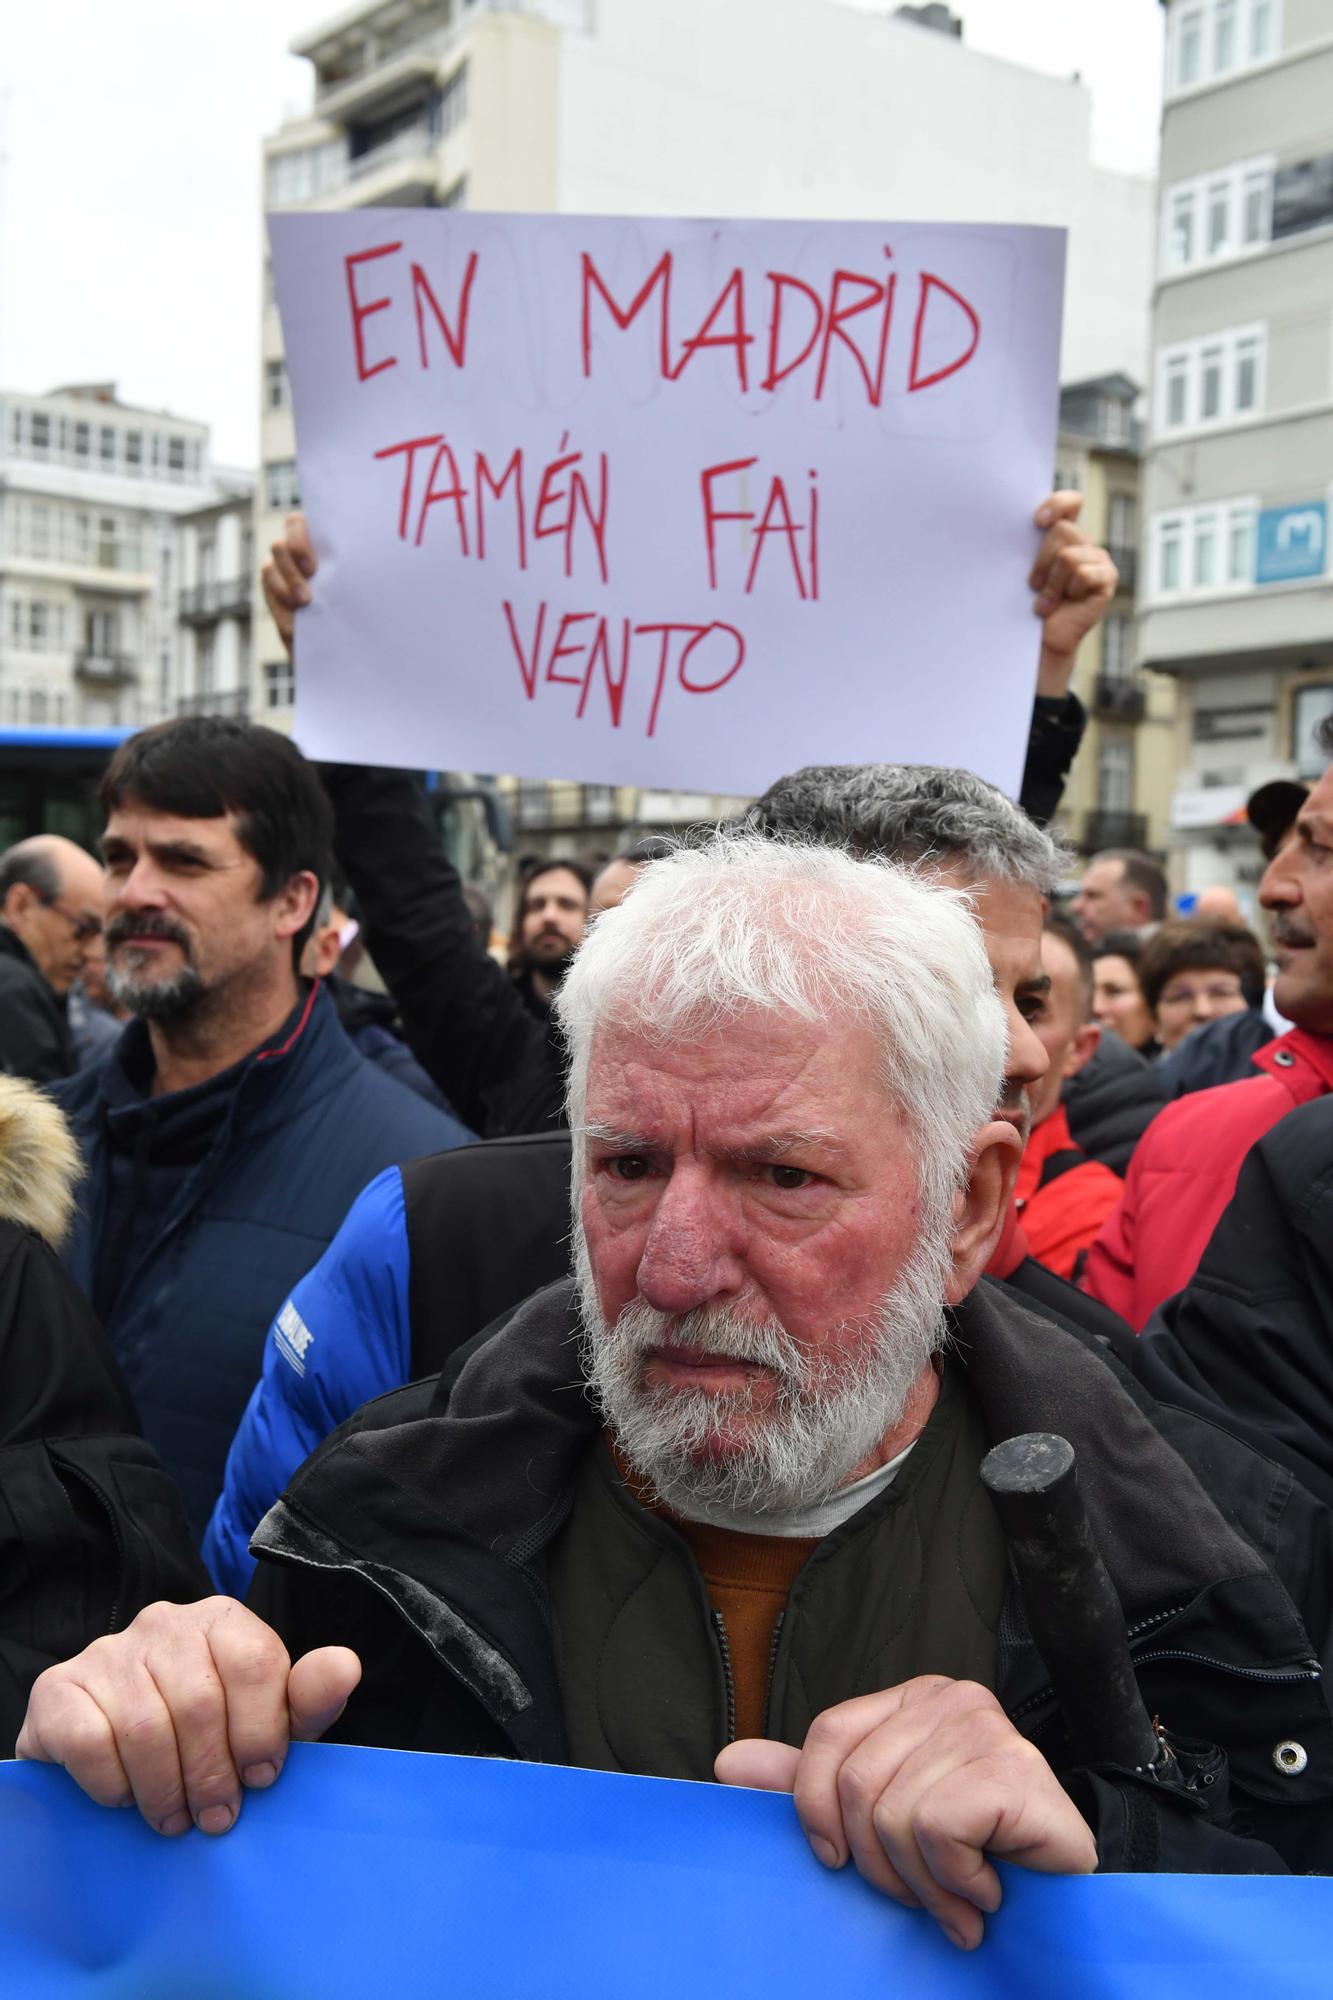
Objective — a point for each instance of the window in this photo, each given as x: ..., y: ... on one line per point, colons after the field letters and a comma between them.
x: 1210, y: 39
x: 1224, y: 35
x: 1176, y: 407
x: 83, y: 440
x: 134, y: 448
x: 204, y: 666
x: 1240, y: 545
x: 279, y: 684
x: 1115, y: 776
x: 1205, y: 548
x: 1228, y: 212
x: 452, y: 107
x: 39, y: 433
x: 1245, y: 377
x: 1219, y: 217
x: 1263, y: 29
x: 39, y: 530
x: 281, y: 492
x: 1205, y: 551
x: 276, y: 394
x: 36, y: 707
x: 106, y: 541
x: 1212, y: 381
x: 176, y: 455
x: 108, y: 444
x: 1189, y: 48
x: 1256, y: 205
x: 1117, y: 652
x: 1121, y: 523
x: 39, y: 624
x: 1181, y: 251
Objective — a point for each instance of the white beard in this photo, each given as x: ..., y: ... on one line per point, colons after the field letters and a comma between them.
x: 832, y: 1408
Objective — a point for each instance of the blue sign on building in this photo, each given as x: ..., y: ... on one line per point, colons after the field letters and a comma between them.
x: 1293, y: 543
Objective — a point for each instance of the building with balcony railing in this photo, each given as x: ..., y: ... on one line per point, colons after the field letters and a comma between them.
x: 93, y: 495
x: 215, y: 605
x: 1123, y: 773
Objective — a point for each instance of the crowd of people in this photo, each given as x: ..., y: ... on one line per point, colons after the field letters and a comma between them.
x: 326, y: 1413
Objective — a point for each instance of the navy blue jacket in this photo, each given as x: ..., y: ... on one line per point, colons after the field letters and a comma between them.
x: 308, y: 1125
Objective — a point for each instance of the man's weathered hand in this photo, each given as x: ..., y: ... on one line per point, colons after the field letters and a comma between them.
x: 919, y: 1785
x: 1075, y: 582
x: 183, y: 1711
x: 286, y: 575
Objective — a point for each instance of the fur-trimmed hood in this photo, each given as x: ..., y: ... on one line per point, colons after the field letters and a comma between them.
x: 39, y: 1161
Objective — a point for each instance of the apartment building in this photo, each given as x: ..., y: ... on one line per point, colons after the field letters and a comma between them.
x: 93, y: 493
x: 1119, y: 790
x: 215, y: 600
x: 1238, y: 477
x: 803, y: 108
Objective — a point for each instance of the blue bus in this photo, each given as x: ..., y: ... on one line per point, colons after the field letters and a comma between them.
x: 49, y: 780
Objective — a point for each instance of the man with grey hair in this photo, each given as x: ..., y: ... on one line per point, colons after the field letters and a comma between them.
x: 50, y: 911
x: 746, y: 1538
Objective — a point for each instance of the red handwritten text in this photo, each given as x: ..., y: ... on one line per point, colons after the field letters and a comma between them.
x: 584, y: 650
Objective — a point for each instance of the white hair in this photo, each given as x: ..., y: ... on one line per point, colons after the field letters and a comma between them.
x: 747, y: 924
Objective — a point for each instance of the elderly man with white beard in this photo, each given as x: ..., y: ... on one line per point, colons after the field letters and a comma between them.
x: 714, y: 1508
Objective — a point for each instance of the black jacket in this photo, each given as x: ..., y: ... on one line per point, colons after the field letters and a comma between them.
x: 1057, y: 730
x: 91, y: 1527
x: 1111, y: 1102
x: 1249, y: 1342
x: 465, y: 1020
x: 1218, y: 1052
x: 417, y: 1534
x: 34, y: 1034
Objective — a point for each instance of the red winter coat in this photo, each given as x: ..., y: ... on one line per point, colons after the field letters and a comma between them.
x: 1062, y: 1195
x: 1183, y: 1174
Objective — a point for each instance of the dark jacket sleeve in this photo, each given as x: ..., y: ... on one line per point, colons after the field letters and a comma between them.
x: 466, y: 1023
x: 1247, y: 1343
x: 34, y: 1040
x: 1057, y: 731
x: 91, y: 1527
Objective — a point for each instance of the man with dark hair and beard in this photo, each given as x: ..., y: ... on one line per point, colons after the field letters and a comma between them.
x: 551, y: 919
x: 713, y: 1508
x: 233, y: 1124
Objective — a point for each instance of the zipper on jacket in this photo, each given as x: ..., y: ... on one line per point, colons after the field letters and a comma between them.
x: 728, y: 1681
x: 90, y: 1486
x: 1312, y: 1672
x: 1046, y: 1694
x: 778, y: 1624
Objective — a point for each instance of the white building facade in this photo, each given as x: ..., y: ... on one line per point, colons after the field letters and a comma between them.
x: 1237, y: 596
x: 92, y: 497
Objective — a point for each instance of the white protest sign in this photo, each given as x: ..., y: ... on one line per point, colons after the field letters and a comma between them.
x: 673, y: 504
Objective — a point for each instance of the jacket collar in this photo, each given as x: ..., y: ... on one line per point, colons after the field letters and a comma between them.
x: 1302, y: 1062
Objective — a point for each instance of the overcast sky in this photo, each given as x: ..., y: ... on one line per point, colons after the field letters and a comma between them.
x: 130, y: 198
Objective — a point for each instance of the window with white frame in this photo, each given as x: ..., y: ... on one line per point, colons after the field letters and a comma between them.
x: 1207, y: 548
x: 281, y: 492
x: 279, y: 684
x: 1115, y: 775
x: 1117, y: 648
x: 1210, y: 39
x: 1222, y: 214
x: 276, y: 394
x: 1213, y: 380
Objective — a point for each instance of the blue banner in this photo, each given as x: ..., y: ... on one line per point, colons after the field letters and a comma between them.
x: 370, y: 1872
x: 1291, y: 544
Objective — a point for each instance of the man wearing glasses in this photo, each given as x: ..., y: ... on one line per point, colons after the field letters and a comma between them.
x: 50, y: 911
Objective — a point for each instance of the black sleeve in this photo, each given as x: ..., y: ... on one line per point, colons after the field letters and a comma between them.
x: 91, y: 1526
x: 464, y: 1019
x: 1247, y: 1342
x: 34, y: 1041
x: 1057, y: 731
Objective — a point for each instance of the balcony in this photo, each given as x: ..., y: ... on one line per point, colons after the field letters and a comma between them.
x: 233, y: 702
x: 229, y: 597
x: 1104, y: 828
x: 1119, y: 697
x: 104, y: 669
x: 539, y: 806
x: 1127, y: 562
